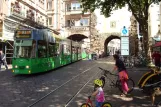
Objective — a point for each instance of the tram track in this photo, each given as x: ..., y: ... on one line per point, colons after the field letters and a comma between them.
x: 45, y: 96
x: 72, y: 98
x: 29, y: 89
x: 16, y: 78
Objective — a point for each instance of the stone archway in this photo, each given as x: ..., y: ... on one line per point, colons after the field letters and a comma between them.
x: 108, y: 39
x: 77, y: 37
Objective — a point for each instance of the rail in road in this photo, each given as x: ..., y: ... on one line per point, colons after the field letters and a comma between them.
x: 65, y: 87
x: 27, y: 90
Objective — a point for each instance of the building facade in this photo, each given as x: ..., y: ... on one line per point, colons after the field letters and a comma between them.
x: 55, y: 10
x: 154, y: 25
x: 19, y: 14
x: 77, y: 23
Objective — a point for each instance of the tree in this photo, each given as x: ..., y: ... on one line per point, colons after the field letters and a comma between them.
x: 139, y: 9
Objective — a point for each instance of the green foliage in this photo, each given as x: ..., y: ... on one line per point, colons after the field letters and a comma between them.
x: 139, y: 8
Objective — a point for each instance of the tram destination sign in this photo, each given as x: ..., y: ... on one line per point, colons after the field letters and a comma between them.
x: 23, y: 34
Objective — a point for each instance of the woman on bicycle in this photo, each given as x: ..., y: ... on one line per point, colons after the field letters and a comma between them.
x: 123, y: 76
x: 99, y: 94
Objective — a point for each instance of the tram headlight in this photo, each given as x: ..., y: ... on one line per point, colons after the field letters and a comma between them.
x: 16, y: 66
x: 27, y: 66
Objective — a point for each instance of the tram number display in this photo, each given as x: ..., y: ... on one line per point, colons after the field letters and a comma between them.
x: 23, y: 34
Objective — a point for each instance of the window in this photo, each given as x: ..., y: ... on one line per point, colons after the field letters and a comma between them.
x: 74, y: 50
x: 23, y: 48
x: 57, y: 49
x: 49, y: 5
x: 42, y: 49
x: 51, y: 50
x: 33, y: 51
x: 84, y: 22
x: 68, y: 23
x: 50, y: 20
x: 66, y: 50
x: 68, y: 7
x: 72, y: 22
x: 76, y: 6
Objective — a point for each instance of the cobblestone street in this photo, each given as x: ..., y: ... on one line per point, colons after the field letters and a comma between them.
x: 65, y: 85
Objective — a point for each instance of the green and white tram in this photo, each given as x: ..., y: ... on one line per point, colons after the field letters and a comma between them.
x: 42, y: 50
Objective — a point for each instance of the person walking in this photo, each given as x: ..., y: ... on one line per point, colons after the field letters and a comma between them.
x: 3, y: 59
x: 123, y: 76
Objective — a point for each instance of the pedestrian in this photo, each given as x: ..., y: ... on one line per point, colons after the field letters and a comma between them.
x: 3, y: 59
x: 99, y: 93
x: 156, y: 57
x: 123, y: 76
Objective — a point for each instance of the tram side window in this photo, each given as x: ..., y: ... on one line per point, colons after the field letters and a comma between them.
x: 42, y: 49
x: 33, y: 51
x: 74, y: 50
x: 51, y: 50
x: 79, y: 50
x: 66, y: 49
x: 57, y: 49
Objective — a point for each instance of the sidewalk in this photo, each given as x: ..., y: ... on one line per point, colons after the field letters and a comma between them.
x: 137, y: 97
x: 3, y: 67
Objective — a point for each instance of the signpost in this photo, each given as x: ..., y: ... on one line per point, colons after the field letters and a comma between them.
x: 124, y: 41
x: 124, y: 32
x: 124, y: 45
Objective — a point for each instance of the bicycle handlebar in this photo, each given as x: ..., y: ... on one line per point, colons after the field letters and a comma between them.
x: 89, y: 97
x: 106, y: 71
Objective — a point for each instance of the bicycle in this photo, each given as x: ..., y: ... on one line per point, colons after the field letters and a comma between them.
x: 116, y: 84
x: 150, y: 80
x: 90, y: 104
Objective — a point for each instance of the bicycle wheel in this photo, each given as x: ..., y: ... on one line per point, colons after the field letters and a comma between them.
x: 106, y: 104
x: 130, y: 84
x: 85, y: 105
x: 159, y: 104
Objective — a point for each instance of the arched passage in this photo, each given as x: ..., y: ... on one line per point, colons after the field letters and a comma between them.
x: 107, y: 41
x: 77, y: 37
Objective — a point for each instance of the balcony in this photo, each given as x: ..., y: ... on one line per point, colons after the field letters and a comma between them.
x: 73, y: 12
x: 84, y: 30
x: 70, y: 12
x: 50, y: 11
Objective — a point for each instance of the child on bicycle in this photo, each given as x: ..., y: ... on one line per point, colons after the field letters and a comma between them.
x: 123, y: 76
x: 99, y: 93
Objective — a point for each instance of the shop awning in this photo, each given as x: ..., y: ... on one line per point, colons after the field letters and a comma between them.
x: 77, y: 37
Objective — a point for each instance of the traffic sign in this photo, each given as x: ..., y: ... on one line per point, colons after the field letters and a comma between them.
x: 124, y: 31
x: 125, y: 45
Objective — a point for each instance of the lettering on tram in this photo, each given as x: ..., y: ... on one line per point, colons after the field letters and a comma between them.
x: 23, y: 34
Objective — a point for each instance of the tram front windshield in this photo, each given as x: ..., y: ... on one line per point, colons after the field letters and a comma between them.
x: 24, y: 49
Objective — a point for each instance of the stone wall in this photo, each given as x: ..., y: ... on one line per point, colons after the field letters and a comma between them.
x: 133, y: 37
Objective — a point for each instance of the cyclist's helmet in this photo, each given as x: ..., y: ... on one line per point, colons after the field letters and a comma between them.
x: 98, y: 82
